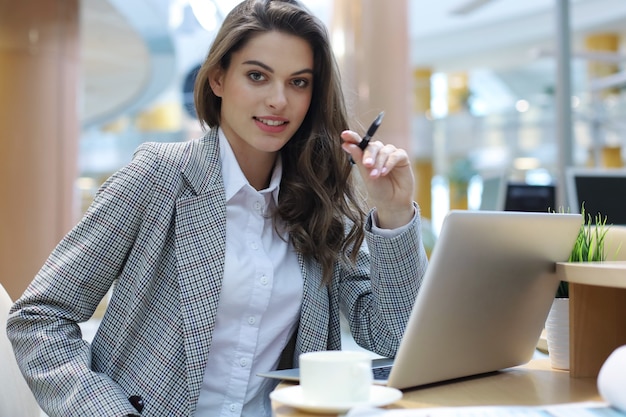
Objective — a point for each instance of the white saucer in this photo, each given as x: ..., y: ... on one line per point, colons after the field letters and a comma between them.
x: 292, y: 396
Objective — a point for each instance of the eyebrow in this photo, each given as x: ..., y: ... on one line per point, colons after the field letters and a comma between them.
x: 269, y: 69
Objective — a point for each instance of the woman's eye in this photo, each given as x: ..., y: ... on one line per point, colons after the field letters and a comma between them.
x: 256, y: 76
x: 301, y: 83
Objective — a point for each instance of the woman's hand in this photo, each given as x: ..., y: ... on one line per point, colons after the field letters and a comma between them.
x: 388, y: 177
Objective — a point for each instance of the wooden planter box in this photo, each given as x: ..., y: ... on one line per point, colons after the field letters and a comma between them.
x: 597, y: 312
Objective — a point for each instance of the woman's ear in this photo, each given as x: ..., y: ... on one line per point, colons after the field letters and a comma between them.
x: 216, y: 81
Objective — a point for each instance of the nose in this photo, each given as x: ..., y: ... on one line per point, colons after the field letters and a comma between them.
x: 277, y: 99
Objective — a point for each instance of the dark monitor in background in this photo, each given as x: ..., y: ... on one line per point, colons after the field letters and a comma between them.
x: 530, y: 197
x: 602, y: 190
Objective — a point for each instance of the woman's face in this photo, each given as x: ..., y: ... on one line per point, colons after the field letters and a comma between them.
x: 266, y: 92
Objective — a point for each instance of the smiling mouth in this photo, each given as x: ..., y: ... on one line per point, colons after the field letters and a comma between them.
x: 271, y: 122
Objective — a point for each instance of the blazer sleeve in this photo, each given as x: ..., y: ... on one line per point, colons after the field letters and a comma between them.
x: 43, y: 323
x: 377, y: 294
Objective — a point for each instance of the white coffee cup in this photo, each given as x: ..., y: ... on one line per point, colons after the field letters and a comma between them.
x: 335, y: 377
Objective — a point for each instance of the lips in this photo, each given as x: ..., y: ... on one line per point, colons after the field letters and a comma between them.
x: 270, y: 122
x: 271, y: 125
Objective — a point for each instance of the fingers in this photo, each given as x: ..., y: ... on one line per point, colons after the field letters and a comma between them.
x: 350, y: 140
x: 383, y: 158
x: 379, y: 158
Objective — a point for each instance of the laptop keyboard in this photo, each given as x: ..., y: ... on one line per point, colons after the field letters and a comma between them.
x: 381, y: 372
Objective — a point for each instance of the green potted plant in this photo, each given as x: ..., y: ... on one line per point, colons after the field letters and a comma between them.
x: 588, y: 246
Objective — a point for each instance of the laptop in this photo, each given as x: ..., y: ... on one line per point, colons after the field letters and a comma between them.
x: 484, y: 298
x: 530, y: 197
x: 601, y: 190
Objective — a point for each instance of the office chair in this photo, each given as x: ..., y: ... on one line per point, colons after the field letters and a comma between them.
x: 16, y: 399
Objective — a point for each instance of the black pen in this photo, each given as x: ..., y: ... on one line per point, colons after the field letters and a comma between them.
x: 370, y: 132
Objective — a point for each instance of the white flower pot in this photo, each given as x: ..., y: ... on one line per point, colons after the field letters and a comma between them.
x: 557, y: 333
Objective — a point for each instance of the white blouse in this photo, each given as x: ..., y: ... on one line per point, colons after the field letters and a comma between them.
x: 259, y: 302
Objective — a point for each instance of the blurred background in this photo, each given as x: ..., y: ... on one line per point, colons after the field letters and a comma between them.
x: 482, y: 94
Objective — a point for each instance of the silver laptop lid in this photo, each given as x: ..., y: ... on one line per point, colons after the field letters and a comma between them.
x: 485, y: 296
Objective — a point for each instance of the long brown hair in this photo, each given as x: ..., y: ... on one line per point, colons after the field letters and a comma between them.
x: 318, y: 202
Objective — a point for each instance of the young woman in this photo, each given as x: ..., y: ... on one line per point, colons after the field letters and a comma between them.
x: 231, y: 254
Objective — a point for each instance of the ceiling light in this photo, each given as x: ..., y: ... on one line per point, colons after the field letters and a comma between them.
x: 526, y: 163
x: 522, y: 106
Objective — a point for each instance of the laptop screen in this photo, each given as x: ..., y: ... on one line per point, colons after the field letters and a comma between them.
x: 600, y: 190
x: 530, y: 198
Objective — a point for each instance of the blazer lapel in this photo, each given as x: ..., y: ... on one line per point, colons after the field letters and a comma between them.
x: 200, y: 249
x: 314, y: 317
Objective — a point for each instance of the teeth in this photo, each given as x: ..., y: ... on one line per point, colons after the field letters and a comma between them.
x: 272, y: 122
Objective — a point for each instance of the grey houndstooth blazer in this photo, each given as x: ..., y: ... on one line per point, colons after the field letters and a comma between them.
x: 156, y: 231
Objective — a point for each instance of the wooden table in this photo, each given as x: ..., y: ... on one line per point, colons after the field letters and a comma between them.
x: 535, y: 383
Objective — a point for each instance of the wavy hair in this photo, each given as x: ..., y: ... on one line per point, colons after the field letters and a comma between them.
x: 318, y: 202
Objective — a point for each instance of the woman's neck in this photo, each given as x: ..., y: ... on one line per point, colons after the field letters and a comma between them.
x: 257, y: 168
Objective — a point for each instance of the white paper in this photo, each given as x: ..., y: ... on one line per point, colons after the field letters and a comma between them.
x: 581, y: 409
x: 612, y: 379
